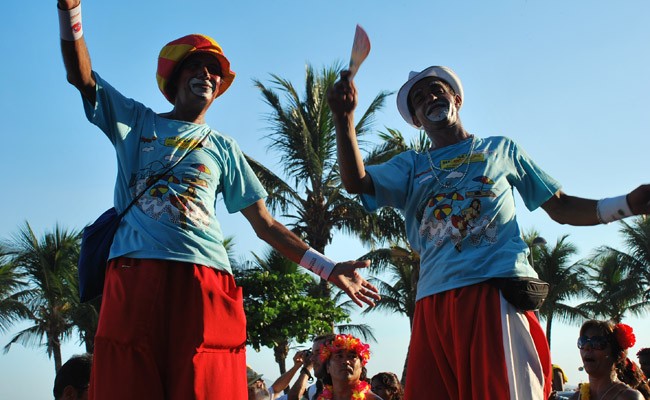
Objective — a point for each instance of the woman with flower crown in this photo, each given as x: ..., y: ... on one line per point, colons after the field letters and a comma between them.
x: 603, y: 348
x: 345, y: 360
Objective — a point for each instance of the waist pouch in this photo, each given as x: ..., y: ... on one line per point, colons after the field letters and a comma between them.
x: 527, y: 294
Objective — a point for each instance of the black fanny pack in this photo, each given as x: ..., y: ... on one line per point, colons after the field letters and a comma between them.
x: 527, y: 294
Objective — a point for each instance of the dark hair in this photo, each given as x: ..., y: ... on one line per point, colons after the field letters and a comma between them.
x: 630, y: 373
x: 392, y: 383
x: 75, y: 372
x: 328, y: 337
x: 643, y: 352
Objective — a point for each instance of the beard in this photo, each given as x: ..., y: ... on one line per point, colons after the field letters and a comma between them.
x: 259, y: 393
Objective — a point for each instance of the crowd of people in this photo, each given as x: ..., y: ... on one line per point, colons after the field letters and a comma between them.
x: 336, y: 365
x: 172, y: 322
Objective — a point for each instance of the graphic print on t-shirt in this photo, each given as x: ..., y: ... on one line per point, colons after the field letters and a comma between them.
x: 175, y: 193
x: 453, y: 210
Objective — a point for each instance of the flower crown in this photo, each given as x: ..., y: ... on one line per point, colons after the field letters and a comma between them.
x: 624, y: 336
x: 345, y: 342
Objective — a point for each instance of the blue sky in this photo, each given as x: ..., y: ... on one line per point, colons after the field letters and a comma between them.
x: 566, y: 79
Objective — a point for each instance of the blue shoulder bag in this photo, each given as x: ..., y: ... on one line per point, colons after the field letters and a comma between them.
x: 98, y: 237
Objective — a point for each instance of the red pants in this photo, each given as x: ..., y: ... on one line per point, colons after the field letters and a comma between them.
x: 470, y: 343
x: 169, y: 330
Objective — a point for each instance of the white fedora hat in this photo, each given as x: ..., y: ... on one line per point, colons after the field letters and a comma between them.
x: 443, y: 73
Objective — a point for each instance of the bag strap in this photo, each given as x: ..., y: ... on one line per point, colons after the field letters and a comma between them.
x: 160, y: 175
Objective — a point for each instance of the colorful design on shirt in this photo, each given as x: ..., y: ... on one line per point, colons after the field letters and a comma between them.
x: 456, y: 214
x: 182, y: 143
x: 182, y: 209
x: 153, y: 138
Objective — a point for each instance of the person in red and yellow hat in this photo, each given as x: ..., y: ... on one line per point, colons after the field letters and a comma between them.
x: 172, y: 322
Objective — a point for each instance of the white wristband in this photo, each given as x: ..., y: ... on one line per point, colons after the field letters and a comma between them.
x: 70, y: 24
x: 612, y: 209
x: 317, y: 263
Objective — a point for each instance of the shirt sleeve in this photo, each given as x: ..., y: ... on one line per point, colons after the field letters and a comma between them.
x: 112, y: 112
x: 533, y: 184
x: 391, y: 182
x: 241, y: 187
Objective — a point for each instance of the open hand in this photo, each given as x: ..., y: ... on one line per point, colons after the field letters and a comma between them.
x: 346, y: 277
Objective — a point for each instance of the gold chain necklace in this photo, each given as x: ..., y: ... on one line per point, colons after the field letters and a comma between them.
x: 466, y: 160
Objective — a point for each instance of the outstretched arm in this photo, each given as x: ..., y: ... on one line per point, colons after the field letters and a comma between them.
x: 573, y: 210
x: 344, y: 275
x: 285, y: 379
x: 75, y: 53
x: 342, y: 98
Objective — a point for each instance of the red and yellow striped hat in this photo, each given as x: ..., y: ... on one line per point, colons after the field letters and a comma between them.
x: 175, y: 52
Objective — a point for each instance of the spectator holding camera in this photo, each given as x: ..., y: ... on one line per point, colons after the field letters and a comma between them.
x: 312, y: 368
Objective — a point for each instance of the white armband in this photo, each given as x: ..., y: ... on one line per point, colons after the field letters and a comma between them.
x: 70, y: 24
x: 317, y: 263
x: 612, y: 209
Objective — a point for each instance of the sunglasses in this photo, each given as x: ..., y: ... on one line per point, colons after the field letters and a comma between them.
x: 596, y: 342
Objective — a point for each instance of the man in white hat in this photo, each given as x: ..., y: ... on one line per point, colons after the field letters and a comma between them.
x: 468, y: 341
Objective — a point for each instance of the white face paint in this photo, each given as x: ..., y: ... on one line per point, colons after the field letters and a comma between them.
x: 201, y: 87
x: 440, y: 112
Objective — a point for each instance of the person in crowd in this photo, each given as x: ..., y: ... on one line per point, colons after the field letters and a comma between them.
x: 643, y: 356
x: 312, y: 369
x: 387, y: 386
x: 170, y: 306
x: 257, y: 389
x: 345, y: 359
x: 559, y: 378
x: 257, y: 385
x: 603, y: 348
x: 630, y: 373
x: 477, y: 291
x: 72, y: 379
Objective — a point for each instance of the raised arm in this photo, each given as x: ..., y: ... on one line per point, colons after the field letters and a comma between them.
x: 344, y: 274
x: 285, y: 379
x: 73, y: 47
x: 578, y: 211
x: 342, y: 98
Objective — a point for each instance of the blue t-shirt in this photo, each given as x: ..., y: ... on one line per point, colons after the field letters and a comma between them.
x: 175, y: 219
x: 459, y: 209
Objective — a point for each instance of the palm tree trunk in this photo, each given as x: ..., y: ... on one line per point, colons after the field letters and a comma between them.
x: 281, y: 351
x: 56, y: 351
x: 89, y: 342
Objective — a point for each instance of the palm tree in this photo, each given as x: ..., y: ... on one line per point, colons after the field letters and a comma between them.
x: 613, y: 289
x: 302, y: 132
x: 552, y: 264
x: 13, y: 291
x: 401, y: 265
x: 636, y: 257
x: 50, y: 266
x: 393, y: 143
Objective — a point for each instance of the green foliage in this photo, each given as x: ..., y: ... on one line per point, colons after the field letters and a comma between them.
x: 279, y: 309
x: 49, y: 265
x: 303, y: 136
x: 566, y: 280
